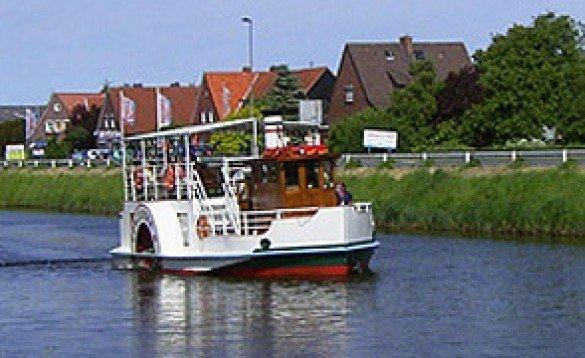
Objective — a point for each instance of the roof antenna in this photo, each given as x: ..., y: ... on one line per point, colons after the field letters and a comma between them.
x: 311, y: 64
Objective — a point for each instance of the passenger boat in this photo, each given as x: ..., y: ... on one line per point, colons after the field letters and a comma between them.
x: 270, y: 215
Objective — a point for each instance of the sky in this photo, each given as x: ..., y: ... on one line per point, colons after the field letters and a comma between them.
x: 77, y: 45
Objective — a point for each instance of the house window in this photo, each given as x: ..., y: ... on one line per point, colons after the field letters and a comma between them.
x: 57, y: 107
x: 389, y: 55
x: 112, y: 123
x: 202, y: 117
x: 349, y: 93
x: 210, y: 116
x: 419, y: 55
x: 49, y: 127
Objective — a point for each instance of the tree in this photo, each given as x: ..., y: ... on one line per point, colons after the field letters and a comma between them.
x: 413, y: 108
x: 245, y: 112
x: 410, y: 113
x: 82, y: 117
x: 11, y: 132
x: 527, y: 75
x: 459, y: 93
x: 284, y: 98
x: 79, y: 138
x: 55, y: 150
x: 230, y: 142
x: 346, y: 136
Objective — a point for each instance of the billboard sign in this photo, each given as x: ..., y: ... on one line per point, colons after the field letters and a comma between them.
x: 15, y: 152
x: 374, y: 138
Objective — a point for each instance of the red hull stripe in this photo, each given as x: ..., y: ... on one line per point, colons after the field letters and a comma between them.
x: 273, y: 272
x: 294, y: 271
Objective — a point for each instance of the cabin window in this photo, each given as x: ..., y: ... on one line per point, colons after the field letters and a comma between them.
x: 270, y: 173
x: 312, y: 169
x: 328, y: 174
x: 291, y: 175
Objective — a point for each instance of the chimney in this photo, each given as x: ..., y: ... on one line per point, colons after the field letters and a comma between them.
x: 406, y: 42
x: 175, y: 84
x: 247, y: 69
x: 137, y: 85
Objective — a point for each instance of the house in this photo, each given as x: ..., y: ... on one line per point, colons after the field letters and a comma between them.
x: 182, y: 107
x: 57, y: 115
x: 369, y: 72
x: 223, y: 93
x: 18, y: 113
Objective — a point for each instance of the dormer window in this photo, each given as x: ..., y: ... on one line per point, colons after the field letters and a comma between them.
x: 419, y: 55
x: 349, y: 93
x: 389, y: 55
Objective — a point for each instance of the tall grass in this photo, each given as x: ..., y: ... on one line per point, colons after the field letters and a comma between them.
x: 88, y: 191
x: 539, y: 202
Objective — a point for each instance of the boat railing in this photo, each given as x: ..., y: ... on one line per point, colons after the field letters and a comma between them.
x: 363, y: 207
x: 157, y: 182
x: 258, y: 222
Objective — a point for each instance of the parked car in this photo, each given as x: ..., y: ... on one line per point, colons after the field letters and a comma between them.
x: 79, y: 155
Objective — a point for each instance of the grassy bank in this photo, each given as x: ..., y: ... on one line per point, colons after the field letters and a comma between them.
x: 95, y: 191
x: 549, y: 202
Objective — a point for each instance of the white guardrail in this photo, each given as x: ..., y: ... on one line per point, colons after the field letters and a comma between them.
x: 459, y: 158
x: 398, y: 160
x: 58, y: 163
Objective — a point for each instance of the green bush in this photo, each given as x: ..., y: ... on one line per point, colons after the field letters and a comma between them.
x: 519, y: 163
x: 530, y: 202
x: 473, y: 163
x: 389, y: 163
x: 88, y: 191
x: 352, y: 164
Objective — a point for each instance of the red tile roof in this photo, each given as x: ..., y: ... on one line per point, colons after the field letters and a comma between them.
x: 183, y: 99
x: 230, y: 89
x: 70, y: 100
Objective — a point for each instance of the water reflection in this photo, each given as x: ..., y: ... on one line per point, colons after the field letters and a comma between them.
x: 177, y: 315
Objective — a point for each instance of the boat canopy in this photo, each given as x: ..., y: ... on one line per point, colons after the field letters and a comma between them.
x: 193, y: 129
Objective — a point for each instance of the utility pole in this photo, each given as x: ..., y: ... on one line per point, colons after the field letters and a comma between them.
x: 248, y: 20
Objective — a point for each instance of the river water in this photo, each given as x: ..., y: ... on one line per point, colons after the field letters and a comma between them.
x: 429, y: 296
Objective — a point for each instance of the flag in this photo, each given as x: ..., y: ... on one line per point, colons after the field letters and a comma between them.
x: 163, y: 110
x: 30, y: 118
x: 127, y: 110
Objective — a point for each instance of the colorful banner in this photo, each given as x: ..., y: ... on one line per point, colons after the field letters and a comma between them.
x: 127, y: 110
x: 31, y: 122
x: 163, y: 110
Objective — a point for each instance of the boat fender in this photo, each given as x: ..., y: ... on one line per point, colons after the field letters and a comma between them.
x: 138, y: 178
x: 169, y: 178
x: 203, y: 228
x: 265, y: 244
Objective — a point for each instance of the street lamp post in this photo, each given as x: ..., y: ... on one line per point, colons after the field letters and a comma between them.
x: 248, y: 20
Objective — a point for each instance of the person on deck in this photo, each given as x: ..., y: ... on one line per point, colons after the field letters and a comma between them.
x: 344, y: 197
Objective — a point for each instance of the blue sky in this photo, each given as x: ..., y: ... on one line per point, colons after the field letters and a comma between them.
x: 75, y: 45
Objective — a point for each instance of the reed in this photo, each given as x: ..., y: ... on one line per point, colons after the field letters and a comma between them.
x: 549, y: 202
x: 94, y: 191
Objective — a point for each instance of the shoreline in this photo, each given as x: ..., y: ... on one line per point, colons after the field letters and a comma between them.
x: 521, y: 203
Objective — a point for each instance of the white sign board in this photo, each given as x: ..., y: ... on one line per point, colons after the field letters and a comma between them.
x: 15, y: 152
x: 380, y: 139
x: 311, y: 111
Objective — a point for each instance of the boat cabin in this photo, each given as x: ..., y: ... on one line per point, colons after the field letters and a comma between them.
x: 291, y: 177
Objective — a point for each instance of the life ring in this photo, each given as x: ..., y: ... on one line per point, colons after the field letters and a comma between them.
x: 203, y: 228
x: 138, y: 178
x: 169, y: 178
